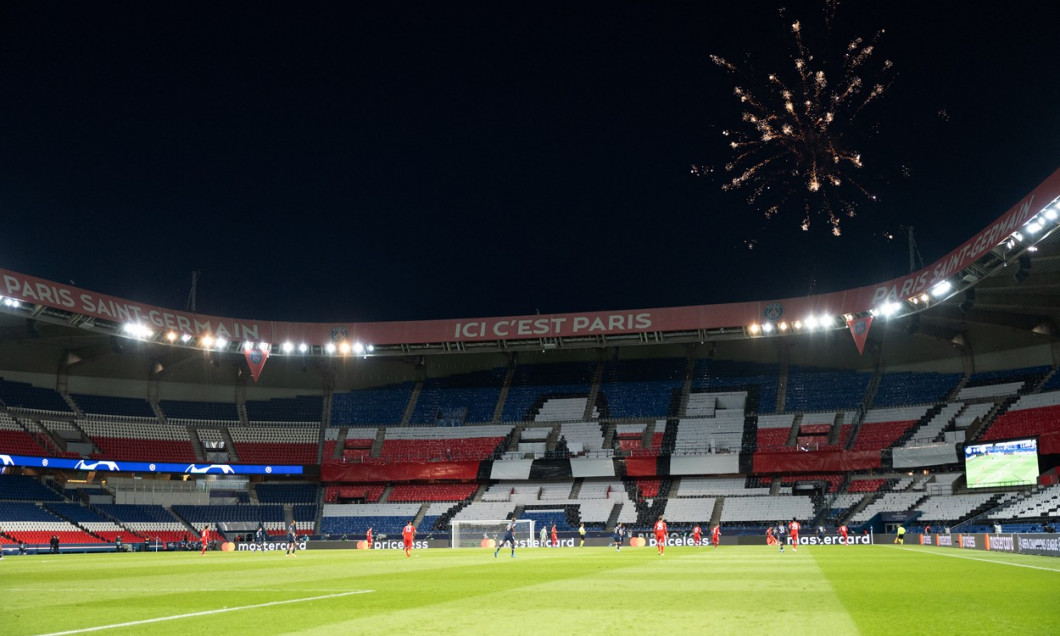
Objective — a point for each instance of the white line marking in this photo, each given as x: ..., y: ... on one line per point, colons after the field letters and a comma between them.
x: 204, y: 613
x: 970, y: 558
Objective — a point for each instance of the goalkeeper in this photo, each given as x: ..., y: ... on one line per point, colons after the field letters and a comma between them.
x: 509, y: 538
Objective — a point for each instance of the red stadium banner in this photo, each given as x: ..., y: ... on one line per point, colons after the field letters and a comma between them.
x: 813, y: 461
x: 415, y: 471
x: 859, y: 329
x: 256, y: 358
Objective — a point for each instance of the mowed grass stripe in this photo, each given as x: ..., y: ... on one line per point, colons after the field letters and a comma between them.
x: 889, y: 591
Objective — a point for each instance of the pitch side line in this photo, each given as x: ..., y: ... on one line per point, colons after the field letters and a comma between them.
x: 971, y: 558
x: 204, y: 613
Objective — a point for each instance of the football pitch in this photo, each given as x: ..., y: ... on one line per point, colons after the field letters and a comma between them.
x: 743, y: 590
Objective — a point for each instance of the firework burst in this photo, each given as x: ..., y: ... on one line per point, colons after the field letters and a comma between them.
x: 794, y: 148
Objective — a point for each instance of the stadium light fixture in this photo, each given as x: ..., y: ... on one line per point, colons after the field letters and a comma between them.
x: 287, y: 347
x: 754, y: 329
x: 371, y: 348
x: 1052, y: 213
x: 889, y: 309
x: 358, y: 348
x: 302, y: 348
x: 264, y: 346
x: 220, y: 343
x: 248, y: 345
x: 207, y: 341
x: 138, y: 330
x: 171, y: 336
x: 811, y: 322
x: 185, y: 337
x: 943, y: 288
x: 783, y: 326
x: 924, y: 298
x: 330, y: 347
x: 796, y: 325
x: 767, y: 327
x: 1034, y: 226
x: 344, y: 347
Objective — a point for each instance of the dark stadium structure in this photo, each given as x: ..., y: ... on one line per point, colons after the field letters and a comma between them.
x: 851, y: 408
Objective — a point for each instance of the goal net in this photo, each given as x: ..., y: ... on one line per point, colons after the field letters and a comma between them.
x: 471, y: 534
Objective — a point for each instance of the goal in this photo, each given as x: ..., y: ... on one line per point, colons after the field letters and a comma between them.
x: 469, y: 534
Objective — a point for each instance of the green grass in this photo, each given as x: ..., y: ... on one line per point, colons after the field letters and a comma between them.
x: 734, y: 590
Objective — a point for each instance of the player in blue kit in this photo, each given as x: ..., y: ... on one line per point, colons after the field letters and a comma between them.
x: 620, y: 533
x: 509, y: 538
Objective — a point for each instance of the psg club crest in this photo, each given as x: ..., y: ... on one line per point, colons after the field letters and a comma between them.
x: 773, y: 311
x: 339, y: 334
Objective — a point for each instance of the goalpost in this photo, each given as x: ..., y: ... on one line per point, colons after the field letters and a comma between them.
x: 470, y: 534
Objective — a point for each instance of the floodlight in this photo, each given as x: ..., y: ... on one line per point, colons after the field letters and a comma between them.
x: 767, y: 327
x: 1034, y: 226
x: 783, y: 326
x: 220, y: 343
x: 943, y: 288
x: 248, y: 345
x: 184, y: 337
x: 171, y: 336
x: 330, y: 347
x: 207, y: 341
x: 302, y: 348
x: 287, y: 347
x: 1052, y: 213
x: 264, y: 346
x: 797, y: 324
x: 811, y: 322
x: 371, y: 348
x: 344, y: 347
x: 358, y: 348
x: 889, y: 309
x: 924, y: 297
x: 754, y: 328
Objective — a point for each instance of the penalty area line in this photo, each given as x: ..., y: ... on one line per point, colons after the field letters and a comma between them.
x: 161, y: 619
x: 971, y: 558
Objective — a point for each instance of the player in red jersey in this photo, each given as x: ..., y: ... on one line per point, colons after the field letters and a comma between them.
x: 697, y: 534
x: 793, y: 530
x: 660, y: 534
x: 408, y: 533
x: 770, y: 539
x: 555, y: 537
x: 368, y: 537
x: 843, y: 533
x: 715, y: 535
x: 205, y: 538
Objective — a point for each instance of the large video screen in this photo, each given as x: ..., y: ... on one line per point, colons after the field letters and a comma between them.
x: 1010, y: 463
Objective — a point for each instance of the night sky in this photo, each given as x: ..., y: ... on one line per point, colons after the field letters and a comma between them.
x: 336, y: 161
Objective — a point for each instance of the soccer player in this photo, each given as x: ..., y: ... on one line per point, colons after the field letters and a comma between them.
x: 770, y: 540
x: 581, y: 535
x: 555, y: 537
x: 259, y: 537
x: 620, y: 533
x: 793, y: 530
x: 292, y: 540
x: 509, y: 538
x: 368, y: 537
x: 820, y: 533
x: 408, y: 533
x: 900, y: 537
x: 544, y: 536
x: 660, y: 534
x: 697, y: 534
x: 205, y: 538
x: 780, y: 536
x: 715, y: 535
x: 843, y: 533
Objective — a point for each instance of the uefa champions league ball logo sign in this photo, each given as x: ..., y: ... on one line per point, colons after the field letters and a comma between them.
x: 773, y: 311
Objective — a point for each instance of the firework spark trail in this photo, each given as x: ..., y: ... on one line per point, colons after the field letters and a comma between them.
x: 796, y: 138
